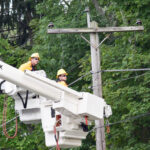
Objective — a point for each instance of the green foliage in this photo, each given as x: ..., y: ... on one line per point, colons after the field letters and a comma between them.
x: 10, y: 54
x: 126, y: 92
x: 56, y: 51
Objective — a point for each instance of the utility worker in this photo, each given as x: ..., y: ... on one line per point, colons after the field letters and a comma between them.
x: 31, y: 64
x: 62, y: 77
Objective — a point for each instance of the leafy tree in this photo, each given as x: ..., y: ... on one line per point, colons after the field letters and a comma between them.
x: 126, y: 92
x: 15, y: 18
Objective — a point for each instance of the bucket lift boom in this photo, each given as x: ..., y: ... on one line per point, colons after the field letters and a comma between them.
x: 72, y: 105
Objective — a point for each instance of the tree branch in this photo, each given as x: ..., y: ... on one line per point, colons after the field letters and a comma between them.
x: 5, y: 30
x: 100, y: 11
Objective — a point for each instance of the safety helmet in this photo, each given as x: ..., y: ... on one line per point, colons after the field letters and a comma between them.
x: 34, y: 55
x: 61, y: 71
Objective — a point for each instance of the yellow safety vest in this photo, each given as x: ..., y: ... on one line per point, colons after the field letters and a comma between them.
x: 26, y: 66
x: 63, y: 83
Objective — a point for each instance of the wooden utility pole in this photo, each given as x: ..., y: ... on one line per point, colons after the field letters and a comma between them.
x: 97, y: 85
x: 95, y: 57
x: 96, y: 79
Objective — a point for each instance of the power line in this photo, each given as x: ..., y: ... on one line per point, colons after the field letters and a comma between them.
x: 10, y: 128
x: 97, y: 85
x: 130, y: 118
x: 122, y: 121
x: 79, y: 78
x: 117, y: 81
x: 115, y: 70
x: 137, y: 76
x: 52, y: 148
x: 123, y: 70
x: 9, y: 121
x: 110, y: 124
x: 73, y: 67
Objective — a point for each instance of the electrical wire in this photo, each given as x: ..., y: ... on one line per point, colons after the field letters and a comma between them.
x: 114, y: 123
x: 9, y: 121
x: 8, y: 129
x: 122, y: 121
x: 123, y: 70
x: 117, y: 81
x: 56, y: 138
x: 56, y: 134
x: 116, y: 70
x: 52, y: 148
x: 130, y: 118
x: 73, y: 67
x: 137, y: 76
x: 79, y: 78
x: 86, y: 120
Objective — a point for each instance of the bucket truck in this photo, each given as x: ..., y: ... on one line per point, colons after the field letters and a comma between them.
x: 39, y: 99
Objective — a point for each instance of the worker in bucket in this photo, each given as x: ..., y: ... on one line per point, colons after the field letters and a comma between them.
x: 62, y: 77
x: 31, y: 64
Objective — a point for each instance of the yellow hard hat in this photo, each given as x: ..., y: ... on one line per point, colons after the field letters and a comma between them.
x: 34, y: 55
x: 61, y: 71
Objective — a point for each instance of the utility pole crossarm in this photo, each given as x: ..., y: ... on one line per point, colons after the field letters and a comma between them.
x: 95, y: 30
